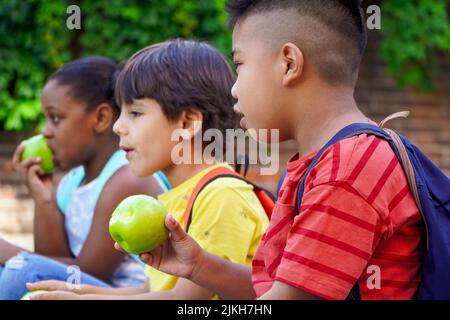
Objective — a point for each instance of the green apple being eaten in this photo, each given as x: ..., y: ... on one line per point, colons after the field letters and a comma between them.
x: 37, y: 147
x: 32, y: 293
x: 137, y: 224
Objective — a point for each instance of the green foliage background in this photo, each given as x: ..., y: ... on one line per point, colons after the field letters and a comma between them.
x: 414, y: 32
x: 34, y: 40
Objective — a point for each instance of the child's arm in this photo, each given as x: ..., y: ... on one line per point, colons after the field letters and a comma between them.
x: 184, y: 290
x: 283, y: 291
x: 49, y: 234
x: 7, y: 251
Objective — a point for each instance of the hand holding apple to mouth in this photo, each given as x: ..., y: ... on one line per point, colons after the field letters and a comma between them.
x: 33, y: 175
x: 37, y: 147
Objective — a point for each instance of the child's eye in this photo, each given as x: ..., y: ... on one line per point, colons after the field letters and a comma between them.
x: 54, y: 119
x: 135, y: 114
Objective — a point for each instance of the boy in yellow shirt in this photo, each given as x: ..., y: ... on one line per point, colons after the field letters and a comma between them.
x: 164, y: 88
x: 227, y: 220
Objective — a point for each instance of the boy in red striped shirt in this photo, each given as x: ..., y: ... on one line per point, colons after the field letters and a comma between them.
x: 358, y: 226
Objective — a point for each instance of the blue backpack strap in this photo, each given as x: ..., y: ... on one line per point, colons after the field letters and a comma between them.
x: 280, y: 182
x: 67, y: 185
x: 347, y: 132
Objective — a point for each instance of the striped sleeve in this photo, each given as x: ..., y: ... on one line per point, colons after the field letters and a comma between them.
x: 330, y: 241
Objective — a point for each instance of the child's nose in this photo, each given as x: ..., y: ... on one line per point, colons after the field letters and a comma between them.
x: 47, y: 132
x: 234, y: 90
x: 118, y: 127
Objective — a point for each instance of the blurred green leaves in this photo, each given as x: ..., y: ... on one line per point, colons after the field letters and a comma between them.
x: 34, y: 40
x: 413, y: 33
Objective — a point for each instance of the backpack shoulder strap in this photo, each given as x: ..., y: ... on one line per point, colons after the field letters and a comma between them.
x: 265, y: 197
x: 402, y: 155
x: 280, y: 181
x: 347, y: 132
x: 353, y: 130
x: 407, y: 166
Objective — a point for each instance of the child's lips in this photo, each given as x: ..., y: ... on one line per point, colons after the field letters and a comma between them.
x: 243, y: 123
x: 127, y: 150
x: 237, y: 109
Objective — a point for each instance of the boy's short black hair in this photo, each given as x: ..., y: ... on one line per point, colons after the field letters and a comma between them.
x: 91, y: 80
x: 181, y: 75
x: 337, y: 51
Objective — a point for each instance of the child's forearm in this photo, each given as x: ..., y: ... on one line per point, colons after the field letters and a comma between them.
x: 8, y: 250
x: 93, y: 290
x: 160, y: 295
x: 228, y: 280
x: 49, y: 235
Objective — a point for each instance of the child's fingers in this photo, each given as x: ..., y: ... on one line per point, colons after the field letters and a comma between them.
x: 18, y: 154
x: 34, y: 171
x: 176, y: 231
x: 49, y: 285
x: 23, y: 167
x: 55, y: 295
x: 118, y: 247
x: 146, y: 258
x: 29, y: 162
x: 152, y: 258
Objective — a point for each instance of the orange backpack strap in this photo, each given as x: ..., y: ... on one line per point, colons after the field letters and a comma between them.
x: 265, y: 197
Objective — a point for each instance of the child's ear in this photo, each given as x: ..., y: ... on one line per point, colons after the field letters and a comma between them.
x: 104, y: 117
x: 293, y: 63
x: 191, y: 121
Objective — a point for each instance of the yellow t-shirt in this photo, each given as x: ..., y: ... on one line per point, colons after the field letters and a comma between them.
x: 227, y: 220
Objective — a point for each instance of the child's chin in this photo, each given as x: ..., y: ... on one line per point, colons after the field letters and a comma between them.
x: 137, y: 171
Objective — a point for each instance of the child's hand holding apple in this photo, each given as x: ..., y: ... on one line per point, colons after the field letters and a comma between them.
x: 141, y: 225
x: 33, y: 161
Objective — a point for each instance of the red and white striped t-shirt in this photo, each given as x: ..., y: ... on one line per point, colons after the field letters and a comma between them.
x: 358, y: 222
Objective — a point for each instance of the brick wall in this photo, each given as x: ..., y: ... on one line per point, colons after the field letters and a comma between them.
x: 428, y: 126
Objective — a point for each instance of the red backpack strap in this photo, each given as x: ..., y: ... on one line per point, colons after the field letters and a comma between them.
x: 266, y: 199
x: 264, y: 196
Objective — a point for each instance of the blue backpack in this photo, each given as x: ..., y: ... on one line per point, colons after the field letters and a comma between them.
x: 431, y: 190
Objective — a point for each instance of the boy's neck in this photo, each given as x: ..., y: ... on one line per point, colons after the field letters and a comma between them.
x: 183, y: 172
x: 323, y: 118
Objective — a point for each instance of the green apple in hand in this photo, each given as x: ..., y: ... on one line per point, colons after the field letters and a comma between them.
x: 37, y: 147
x: 28, y: 295
x: 137, y: 224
